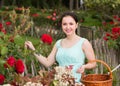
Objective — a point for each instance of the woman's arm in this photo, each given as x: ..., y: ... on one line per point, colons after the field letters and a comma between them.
x: 88, y: 50
x: 46, y: 61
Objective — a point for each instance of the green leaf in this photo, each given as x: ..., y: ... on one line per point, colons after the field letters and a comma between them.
x: 2, y: 61
x: 1, y: 42
x: 4, y: 50
x: 1, y: 34
x: 19, y: 40
x: 2, y: 69
x: 55, y: 83
x: 112, y: 44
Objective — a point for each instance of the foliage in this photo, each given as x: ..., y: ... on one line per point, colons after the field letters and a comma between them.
x: 89, y: 18
x: 49, y: 17
x: 103, y: 6
x: 112, y: 35
x: 10, y: 67
x: 11, y: 43
x: 12, y: 52
x: 44, y: 4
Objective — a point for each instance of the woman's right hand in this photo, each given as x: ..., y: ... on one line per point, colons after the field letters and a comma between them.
x: 29, y: 45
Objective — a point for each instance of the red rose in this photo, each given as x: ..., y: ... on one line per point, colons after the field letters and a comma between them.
x: 53, y: 18
x: 118, y: 19
x: 35, y: 15
x: 8, y: 23
x: 108, y: 34
x: 46, y: 38
x: 49, y: 17
x: 115, y: 16
x: 54, y: 14
x: 19, y: 66
x: 105, y: 38
x: 112, y: 22
x: 104, y: 23
x: 10, y: 61
x: 1, y: 25
x: 3, y: 30
x: 115, y: 30
x: 2, y: 78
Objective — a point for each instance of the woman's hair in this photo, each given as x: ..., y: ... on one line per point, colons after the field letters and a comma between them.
x: 72, y: 14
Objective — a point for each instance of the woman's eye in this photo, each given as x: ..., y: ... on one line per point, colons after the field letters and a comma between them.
x: 64, y: 24
x: 71, y: 23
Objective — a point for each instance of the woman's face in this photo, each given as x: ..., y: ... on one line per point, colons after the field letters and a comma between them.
x: 69, y: 25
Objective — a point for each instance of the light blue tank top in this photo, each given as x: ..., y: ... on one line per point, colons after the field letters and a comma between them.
x: 71, y: 56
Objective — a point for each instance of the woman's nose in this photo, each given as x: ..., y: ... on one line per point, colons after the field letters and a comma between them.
x: 68, y: 26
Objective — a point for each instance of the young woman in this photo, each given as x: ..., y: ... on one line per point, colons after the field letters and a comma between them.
x: 69, y: 51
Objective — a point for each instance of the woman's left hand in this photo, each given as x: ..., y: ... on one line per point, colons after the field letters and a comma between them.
x: 81, y: 69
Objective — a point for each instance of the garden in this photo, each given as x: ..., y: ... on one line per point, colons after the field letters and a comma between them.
x: 20, y: 21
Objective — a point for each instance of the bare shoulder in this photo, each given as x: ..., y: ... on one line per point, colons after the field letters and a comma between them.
x: 86, y: 44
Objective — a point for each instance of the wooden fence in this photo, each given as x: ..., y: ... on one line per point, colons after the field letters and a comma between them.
x: 109, y: 56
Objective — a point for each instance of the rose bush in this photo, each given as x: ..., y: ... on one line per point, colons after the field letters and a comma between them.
x: 12, y: 56
x: 11, y: 66
x: 112, y: 35
x: 15, y: 60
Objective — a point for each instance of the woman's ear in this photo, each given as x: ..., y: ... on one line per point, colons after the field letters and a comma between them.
x: 77, y: 25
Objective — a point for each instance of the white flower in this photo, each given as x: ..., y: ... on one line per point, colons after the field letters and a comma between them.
x: 6, y: 85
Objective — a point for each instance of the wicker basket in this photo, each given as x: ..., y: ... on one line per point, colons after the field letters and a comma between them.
x: 98, y: 79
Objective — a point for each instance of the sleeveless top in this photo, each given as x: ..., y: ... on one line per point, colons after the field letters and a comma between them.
x: 71, y: 56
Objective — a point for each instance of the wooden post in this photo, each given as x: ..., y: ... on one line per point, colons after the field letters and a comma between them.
x: 71, y: 2
x: 78, y: 29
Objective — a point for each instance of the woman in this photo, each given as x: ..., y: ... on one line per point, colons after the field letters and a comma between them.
x: 69, y: 51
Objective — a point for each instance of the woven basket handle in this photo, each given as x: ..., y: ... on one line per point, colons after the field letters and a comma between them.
x: 110, y: 71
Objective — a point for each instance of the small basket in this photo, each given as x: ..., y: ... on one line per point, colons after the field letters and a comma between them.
x: 98, y: 79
